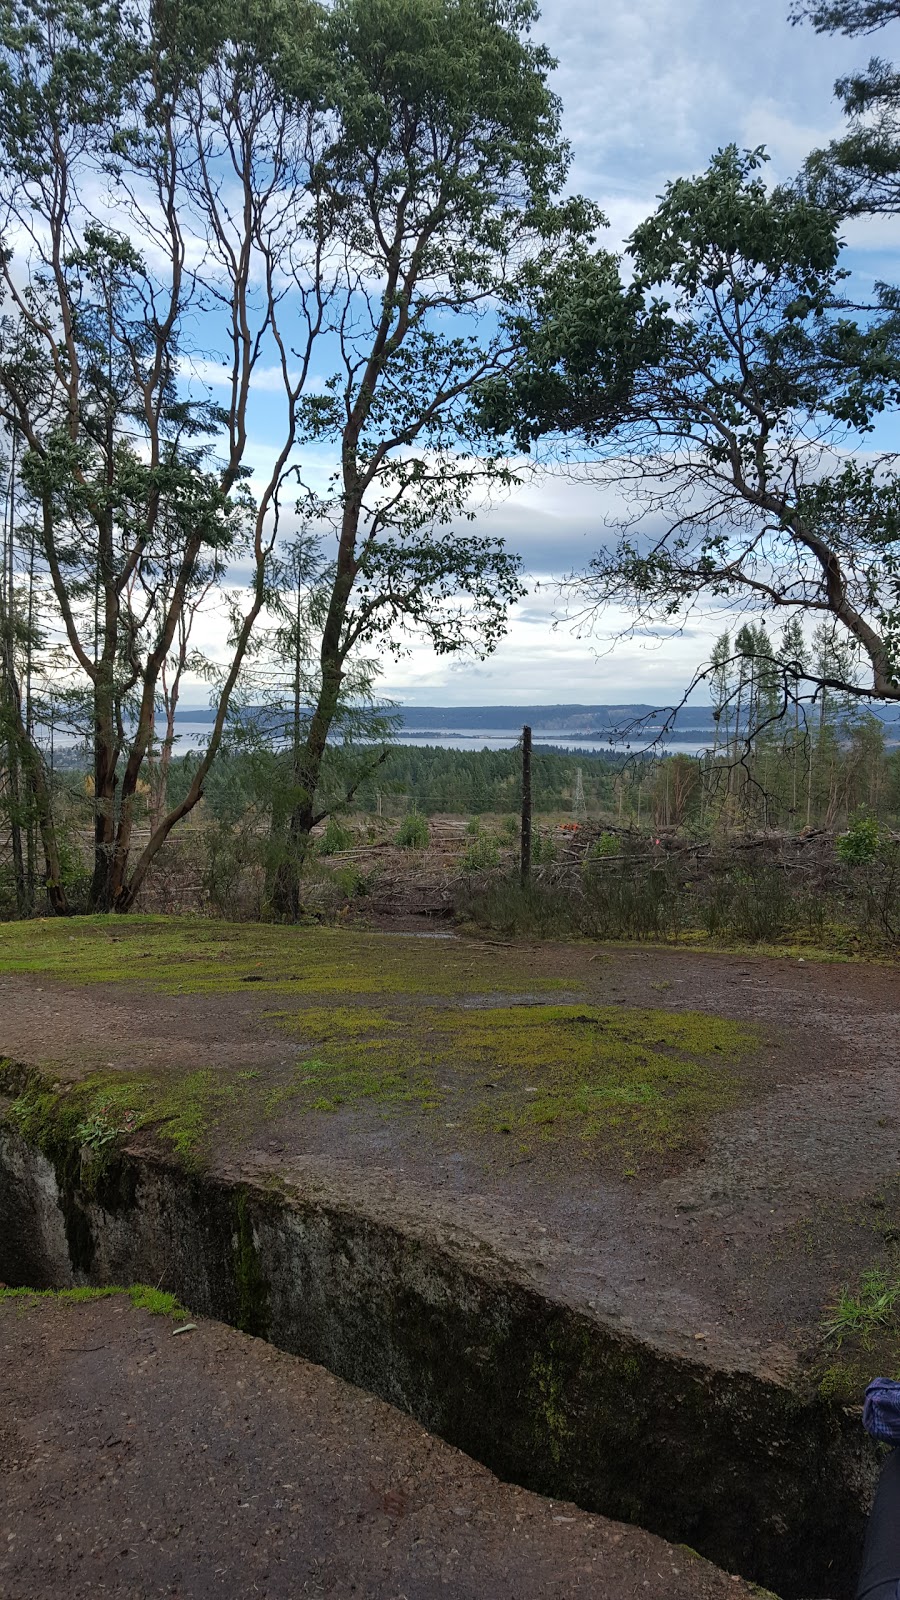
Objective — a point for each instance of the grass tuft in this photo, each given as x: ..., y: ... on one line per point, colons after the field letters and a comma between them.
x: 859, y: 1315
x: 142, y: 1296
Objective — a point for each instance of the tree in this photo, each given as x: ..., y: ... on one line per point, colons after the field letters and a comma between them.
x: 441, y: 181
x: 247, y: 198
x: 721, y: 388
x: 103, y: 220
x: 860, y: 172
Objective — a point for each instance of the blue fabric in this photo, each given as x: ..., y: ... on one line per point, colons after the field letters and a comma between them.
x: 881, y: 1412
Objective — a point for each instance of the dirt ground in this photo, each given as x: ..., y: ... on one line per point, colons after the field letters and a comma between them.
x: 735, y: 1243
x: 208, y: 1464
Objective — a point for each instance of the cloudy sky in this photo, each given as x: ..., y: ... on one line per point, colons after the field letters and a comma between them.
x: 650, y: 88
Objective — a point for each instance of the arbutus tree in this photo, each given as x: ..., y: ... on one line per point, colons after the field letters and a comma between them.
x: 724, y: 388
x: 327, y: 204
x: 441, y: 182
x: 133, y: 488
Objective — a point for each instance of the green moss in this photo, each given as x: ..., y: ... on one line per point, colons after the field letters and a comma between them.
x: 548, y: 1398
x: 189, y: 955
x: 643, y: 1079
x: 141, y: 1295
x: 80, y: 1127
x: 646, y: 1077
x: 251, y: 1285
x: 156, y: 1301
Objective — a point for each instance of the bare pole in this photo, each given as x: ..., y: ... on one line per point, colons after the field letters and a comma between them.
x: 526, y: 805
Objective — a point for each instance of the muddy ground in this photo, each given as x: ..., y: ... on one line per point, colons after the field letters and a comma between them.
x: 735, y: 1237
x: 144, y: 1464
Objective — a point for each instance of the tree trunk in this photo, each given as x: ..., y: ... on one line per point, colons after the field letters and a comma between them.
x: 308, y: 771
x: 525, y: 862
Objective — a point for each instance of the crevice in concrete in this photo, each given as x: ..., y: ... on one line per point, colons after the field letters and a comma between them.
x: 763, y: 1479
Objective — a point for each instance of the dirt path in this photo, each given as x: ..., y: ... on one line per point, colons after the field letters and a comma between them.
x: 144, y: 1465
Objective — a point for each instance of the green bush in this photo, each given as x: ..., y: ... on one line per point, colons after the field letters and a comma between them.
x: 607, y: 845
x: 482, y: 854
x: 413, y: 832
x: 543, y: 848
x: 859, y: 844
x: 335, y: 838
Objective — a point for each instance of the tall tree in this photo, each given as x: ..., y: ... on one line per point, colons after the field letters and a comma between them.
x: 106, y: 261
x: 721, y: 386
x: 441, y: 179
x: 314, y: 212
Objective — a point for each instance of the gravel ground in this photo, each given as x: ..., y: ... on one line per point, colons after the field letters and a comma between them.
x: 135, y: 1463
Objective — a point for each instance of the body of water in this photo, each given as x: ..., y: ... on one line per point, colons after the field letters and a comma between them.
x: 193, y: 736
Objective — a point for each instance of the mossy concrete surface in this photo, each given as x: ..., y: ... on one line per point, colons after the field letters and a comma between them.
x: 572, y: 1177
x: 443, y: 1038
x: 198, y: 955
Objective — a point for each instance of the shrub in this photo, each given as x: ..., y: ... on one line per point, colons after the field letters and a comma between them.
x: 232, y: 869
x: 859, y: 844
x: 761, y: 905
x: 335, y: 838
x: 607, y: 845
x: 413, y: 833
x: 543, y: 848
x: 482, y: 854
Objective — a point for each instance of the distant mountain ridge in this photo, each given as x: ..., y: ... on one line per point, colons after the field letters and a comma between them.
x: 569, y: 719
x: 624, y: 721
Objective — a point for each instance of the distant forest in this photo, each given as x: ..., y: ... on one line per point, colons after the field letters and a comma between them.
x: 792, y: 776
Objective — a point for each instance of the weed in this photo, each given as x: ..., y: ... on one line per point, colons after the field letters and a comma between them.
x: 871, y: 1307
x: 106, y: 1125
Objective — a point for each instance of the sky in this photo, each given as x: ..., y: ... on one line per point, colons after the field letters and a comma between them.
x: 650, y: 89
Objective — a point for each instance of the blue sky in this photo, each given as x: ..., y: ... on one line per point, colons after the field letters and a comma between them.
x: 650, y: 89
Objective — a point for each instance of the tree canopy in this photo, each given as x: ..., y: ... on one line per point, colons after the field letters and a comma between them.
x: 860, y: 171
x: 722, y: 383
x: 294, y: 222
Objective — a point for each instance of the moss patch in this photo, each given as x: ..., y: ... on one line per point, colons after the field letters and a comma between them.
x: 416, y: 1025
x: 192, y: 955
x: 86, y: 1122
x: 646, y: 1077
